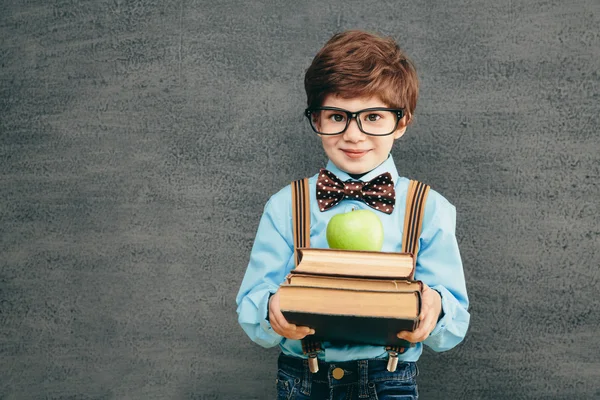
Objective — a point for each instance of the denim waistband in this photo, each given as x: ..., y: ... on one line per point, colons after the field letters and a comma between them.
x: 372, y: 370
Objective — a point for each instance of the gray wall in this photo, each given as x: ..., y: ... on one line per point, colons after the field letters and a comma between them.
x: 121, y: 249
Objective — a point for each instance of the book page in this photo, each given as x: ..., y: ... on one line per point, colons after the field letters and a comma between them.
x: 355, y: 263
x: 354, y: 283
x: 349, y: 302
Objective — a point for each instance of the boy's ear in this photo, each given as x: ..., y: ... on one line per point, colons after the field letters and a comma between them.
x: 401, y: 127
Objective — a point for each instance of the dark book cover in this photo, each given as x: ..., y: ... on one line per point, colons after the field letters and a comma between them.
x: 354, y: 329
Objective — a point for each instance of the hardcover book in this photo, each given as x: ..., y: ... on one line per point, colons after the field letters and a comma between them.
x: 353, y: 296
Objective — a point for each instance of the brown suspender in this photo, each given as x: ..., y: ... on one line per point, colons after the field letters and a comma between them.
x: 301, y: 215
x: 413, y: 220
x: 301, y: 228
x: 413, y: 217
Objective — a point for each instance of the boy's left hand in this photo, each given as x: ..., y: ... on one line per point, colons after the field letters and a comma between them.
x: 431, y: 307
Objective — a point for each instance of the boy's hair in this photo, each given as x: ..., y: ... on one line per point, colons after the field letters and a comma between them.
x: 358, y: 63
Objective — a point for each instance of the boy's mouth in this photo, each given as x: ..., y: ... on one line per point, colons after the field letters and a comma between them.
x: 355, y: 153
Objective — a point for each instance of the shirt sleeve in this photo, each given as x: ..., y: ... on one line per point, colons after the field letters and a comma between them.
x: 439, y: 265
x: 269, y: 259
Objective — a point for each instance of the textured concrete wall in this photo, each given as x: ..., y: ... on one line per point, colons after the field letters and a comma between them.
x: 121, y: 252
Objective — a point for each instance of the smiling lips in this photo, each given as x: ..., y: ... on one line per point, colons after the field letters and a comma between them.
x: 355, y: 153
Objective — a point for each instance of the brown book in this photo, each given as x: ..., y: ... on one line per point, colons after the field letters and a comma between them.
x: 343, y: 282
x: 353, y: 296
x: 352, y: 315
x: 374, y: 264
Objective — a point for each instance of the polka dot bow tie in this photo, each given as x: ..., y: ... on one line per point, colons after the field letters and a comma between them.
x: 378, y: 193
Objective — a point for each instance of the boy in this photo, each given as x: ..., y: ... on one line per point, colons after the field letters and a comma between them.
x: 362, y: 92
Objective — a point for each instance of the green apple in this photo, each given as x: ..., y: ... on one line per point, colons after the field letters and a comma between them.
x: 355, y: 230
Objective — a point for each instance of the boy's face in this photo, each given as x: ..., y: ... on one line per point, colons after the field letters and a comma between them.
x: 353, y: 151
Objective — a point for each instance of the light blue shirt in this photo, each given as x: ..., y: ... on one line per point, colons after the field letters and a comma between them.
x: 438, y: 265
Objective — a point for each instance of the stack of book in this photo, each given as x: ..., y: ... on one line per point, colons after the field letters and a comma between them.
x: 353, y: 296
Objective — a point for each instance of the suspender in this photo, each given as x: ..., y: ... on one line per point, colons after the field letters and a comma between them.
x: 300, y: 215
x: 301, y: 227
x: 413, y: 220
x: 413, y: 217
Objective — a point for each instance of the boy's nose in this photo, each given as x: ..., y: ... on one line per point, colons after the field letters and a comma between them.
x: 353, y: 133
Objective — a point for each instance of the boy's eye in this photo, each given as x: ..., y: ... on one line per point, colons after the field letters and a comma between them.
x: 337, y: 117
x: 373, y: 117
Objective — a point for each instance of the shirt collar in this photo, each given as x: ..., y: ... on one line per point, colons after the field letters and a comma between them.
x: 387, y: 166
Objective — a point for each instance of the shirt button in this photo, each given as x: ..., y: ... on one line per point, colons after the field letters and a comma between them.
x: 338, y: 373
x: 349, y: 208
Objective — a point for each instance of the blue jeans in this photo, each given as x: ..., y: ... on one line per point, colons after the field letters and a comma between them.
x: 361, y: 379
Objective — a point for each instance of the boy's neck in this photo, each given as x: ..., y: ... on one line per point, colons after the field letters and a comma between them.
x: 358, y: 176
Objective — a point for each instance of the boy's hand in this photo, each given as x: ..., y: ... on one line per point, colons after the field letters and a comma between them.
x: 431, y: 307
x: 280, y: 324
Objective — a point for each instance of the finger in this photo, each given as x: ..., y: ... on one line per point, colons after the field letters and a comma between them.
x: 289, y: 331
x: 279, y: 323
x: 427, y: 309
x: 423, y: 330
x: 280, y: 319
x: 297, y: 335
x: 426, y: 313
x: 429, y: 322
x: 288, y: 328
x: 276, y: 327
x: 412, y: 337
x: 275, y: 312
x: 419, y: 334
x: 408, y: 336
x: 298, y: 332
x: 305, y: 330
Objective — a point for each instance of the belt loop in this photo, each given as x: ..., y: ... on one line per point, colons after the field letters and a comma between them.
x: 363, y: 368
x: 306, y: 379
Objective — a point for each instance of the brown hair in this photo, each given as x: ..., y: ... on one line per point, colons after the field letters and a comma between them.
x: 358, y: 63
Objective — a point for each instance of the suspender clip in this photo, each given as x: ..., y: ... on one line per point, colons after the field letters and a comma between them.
x: 313, y: 363
x: 392, y: 361
x: 311, y: 348
x: 393, y: 352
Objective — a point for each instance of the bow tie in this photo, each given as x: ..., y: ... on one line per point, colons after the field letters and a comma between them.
x: 378, y: 193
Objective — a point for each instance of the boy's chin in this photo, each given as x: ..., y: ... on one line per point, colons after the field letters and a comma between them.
x: 355, y: 169
x: 358, y: 168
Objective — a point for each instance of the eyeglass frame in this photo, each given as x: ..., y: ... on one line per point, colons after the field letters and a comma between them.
x: 354, y: 115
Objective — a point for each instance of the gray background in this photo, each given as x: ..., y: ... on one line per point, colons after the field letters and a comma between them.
x: 122, y: 249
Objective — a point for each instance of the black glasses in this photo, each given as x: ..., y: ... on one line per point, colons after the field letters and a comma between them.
x: 376, y: 121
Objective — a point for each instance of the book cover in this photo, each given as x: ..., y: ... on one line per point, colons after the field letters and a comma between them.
x: 352, y: 315
x: 365, y: 264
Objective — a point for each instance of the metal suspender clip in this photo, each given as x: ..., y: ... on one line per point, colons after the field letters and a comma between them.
x: 311, y: 348
x: 393, y: 352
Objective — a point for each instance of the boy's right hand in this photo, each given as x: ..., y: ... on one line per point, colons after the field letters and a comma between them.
x: 280, y: 324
